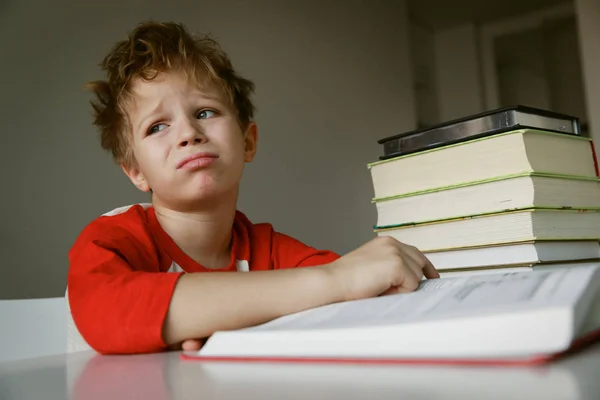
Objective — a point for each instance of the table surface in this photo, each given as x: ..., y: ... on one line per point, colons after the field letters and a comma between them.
x: 91, y: 376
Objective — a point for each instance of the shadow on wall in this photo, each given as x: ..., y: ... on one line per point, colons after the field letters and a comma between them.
x: 4, y: 5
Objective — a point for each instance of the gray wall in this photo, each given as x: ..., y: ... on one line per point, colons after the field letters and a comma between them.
x: 332, y: 77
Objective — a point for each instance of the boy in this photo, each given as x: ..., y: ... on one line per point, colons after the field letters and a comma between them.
x: 178, y: 119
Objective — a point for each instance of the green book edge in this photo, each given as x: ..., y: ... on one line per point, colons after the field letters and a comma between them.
x: 514, y: 242
x: 488, y: 180
x: 510, y: 242
x: 514, y: 132
x: 533, y: 264
x: 484, y: 215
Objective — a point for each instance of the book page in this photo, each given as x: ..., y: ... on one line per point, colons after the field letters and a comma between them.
x: 448, y: 298
x: 494, y: 291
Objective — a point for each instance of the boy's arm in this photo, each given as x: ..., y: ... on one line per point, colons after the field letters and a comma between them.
x: 262, y: 296
x: 203, y: 303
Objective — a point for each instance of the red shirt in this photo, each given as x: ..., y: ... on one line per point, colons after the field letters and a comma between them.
x: 124, y: 267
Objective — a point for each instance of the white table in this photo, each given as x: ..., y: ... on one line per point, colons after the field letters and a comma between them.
x: 165, y: 376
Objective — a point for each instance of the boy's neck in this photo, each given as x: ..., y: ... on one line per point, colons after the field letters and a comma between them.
x: 204, y: 235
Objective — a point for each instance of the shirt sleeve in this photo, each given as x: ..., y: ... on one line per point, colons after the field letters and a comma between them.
x: 118, y: 297
x: 292, y: 253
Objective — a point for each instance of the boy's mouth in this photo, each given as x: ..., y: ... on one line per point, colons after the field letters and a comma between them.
x: 197, y: 160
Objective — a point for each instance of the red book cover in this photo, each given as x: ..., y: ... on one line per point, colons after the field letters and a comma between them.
x: 594, y: 155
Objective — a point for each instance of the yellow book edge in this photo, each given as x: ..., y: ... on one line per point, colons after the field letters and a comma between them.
x: 531, y: 207
x: 520, y: 265
x: 530, y: 173
x: 485, y: 215
x: 515, y: 132
x: 510, y: 243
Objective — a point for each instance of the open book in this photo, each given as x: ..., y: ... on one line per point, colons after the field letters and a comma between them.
x: 514, y: 318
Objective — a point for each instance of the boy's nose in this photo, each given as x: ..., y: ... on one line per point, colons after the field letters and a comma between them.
x: 191, y: 134
x: 184, y: 143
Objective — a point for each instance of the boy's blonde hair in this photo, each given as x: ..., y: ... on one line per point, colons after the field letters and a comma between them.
x: 152, y: 48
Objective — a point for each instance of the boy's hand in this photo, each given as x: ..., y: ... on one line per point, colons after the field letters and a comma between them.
x: 381, y: 266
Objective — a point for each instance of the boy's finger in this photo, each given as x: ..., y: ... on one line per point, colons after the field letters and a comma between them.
x: 191, y: 345
x: 429, y: 270
x: 421, y: 264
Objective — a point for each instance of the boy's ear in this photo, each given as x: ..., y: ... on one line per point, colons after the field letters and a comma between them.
x: 136, y: 177
x: 250, y: 141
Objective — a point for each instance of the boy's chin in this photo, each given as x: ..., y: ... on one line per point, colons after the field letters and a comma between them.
x: 199, y: 200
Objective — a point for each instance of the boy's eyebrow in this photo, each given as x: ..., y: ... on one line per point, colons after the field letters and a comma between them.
x: 148, y: 115
x: 208, y: 96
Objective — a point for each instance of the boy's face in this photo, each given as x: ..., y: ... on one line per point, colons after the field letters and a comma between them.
x: 188, y: 145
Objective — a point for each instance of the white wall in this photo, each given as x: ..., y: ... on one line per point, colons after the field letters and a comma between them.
x: 446, y: 72
x: 332, y: 77
x: 521, y: 69
x: 424, y: 70
x: 563, y: 66
x: 458, y: 72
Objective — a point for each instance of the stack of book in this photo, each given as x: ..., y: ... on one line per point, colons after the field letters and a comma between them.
x: 510, y: 189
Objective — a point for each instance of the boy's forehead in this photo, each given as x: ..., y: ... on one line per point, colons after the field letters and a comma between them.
x: 167, y: 84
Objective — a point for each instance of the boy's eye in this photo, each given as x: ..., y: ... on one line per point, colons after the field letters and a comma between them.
x: 204, y: 114
x: 156, y: 128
